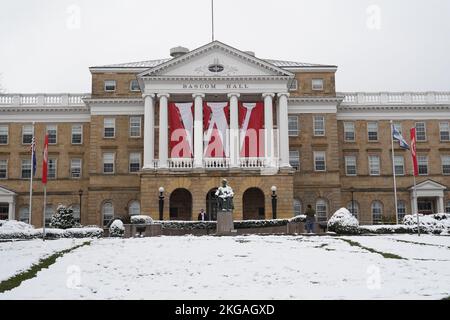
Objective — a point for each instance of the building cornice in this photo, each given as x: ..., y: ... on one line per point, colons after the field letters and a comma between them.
x: 216, y: 78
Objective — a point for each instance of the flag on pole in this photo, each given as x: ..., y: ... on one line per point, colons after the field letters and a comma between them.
x: 396, y: 135
x: 413, y: 151
x: 33, y: 155
x: 45, y: 161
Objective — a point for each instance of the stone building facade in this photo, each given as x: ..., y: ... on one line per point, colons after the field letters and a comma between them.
x: 110, y: 149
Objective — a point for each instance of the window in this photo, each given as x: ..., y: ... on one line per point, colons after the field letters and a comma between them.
x: 293, y: 126
x: 422, y: 162
x: 3, y: 169
x: 317, y: 84
x: 134, y: 85
x: 77, y: 134
x: 108, y: 162
x: 110, y: 85
x: 445, y: 160
x: 398, y: 127
x: 134, y: 209
x: 76, y: 212
x: 319, y: 125
x: 377, y: 212
x: 297, y: 207
x: 107, y: 213
x: 294, y: 159
x: 401, y: 210
x: 51, y: 173
x: 75, y: 168
x: 374, y: 165
x: 399, y: 164
x: 372, y: 131
x: 321, y: 210
x: 349, y: 131
x: 447, y: 207
x: 52, y: 131
x: 24, y: 214
x: 48, y: 215
x: 135, y: 127
x: 135, y: 162
x: 26, y: 169
x: 421, y: 131
x: 320, y: 161
x: 27, y: 134
x: 294, y: 85
x: 109, y: 125
x: 353, y: 208
x: 4, y: 133
x: 4, y: 211
x: 350, y: 166
x: 444, y: 131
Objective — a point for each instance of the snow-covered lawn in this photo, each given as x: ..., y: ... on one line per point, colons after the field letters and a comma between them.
x: 252, y: 267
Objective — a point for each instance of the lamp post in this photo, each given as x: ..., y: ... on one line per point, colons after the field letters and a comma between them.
x: 161, y: 203
x: 353, y: 201
x: 274, y: 201
x: 80, y: 193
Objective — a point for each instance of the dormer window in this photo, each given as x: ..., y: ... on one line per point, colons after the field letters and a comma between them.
x: 110, y: 85
x: 134, y: 86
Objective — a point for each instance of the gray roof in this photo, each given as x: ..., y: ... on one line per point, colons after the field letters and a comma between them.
x: 153, y: 63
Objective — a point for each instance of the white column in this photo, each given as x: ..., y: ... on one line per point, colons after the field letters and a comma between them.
x: 413, y: 202
x: 283, y: 129
x: 163, y: 130
x: 268, y: 126
x: 198, y: 129
x: 149, y: 131
x: 234, y: 130
x: 12, y: 211
x: 440, y: 205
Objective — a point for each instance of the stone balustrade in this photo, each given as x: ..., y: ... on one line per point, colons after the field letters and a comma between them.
x: 380, y: 98
x: 40, y: 100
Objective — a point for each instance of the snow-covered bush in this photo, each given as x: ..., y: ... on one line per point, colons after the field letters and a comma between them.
x: 63, y: 218
x: 85, y: 232
x: 17, y: 230
x: 434, y: 223
x: 116, y: 229
x: 343, y: 222
x: 140, y: 219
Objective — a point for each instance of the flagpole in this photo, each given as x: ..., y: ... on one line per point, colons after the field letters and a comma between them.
x: 212, y: 20
x: 413, y: 157
x: 415, y: 204
x: 393, y: 172
x: 43, y: 214
x: 31, y: 178
x: 44, y: 182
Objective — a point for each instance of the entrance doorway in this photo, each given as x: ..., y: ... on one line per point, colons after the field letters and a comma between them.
x: 211, y: 204
x: 180, y: 205
x: 4, y: 211
x: 253, y: 204
x: 426, y: 205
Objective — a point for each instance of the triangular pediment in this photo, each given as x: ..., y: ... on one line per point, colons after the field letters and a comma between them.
x: 216, y: 59
x: 430, y: 185
x: 6, y: 192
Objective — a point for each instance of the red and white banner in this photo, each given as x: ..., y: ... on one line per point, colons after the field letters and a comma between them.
x: 414, y: 151
x: 181, y: 134
x: 45, y: 161
x: 251, y: 125
x: 216, y: 122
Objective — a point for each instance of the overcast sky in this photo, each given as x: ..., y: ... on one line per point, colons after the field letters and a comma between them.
x: 379, y: 45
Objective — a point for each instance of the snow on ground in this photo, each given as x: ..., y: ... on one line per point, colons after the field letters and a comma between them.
x: 18, y: 256
x: 252, y: 267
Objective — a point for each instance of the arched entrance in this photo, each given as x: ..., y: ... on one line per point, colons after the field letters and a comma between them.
x: 180, y: 205
x: 211, y: 204
x: 253, y: 204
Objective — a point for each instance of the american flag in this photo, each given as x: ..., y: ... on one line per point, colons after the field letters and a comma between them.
x: 33, y: 153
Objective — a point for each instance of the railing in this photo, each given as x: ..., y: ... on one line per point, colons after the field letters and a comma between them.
x: 407, y: 98
x: 42, y: 99
x: 252, y: 163
x: 181, y: 163
x: 216, y: 163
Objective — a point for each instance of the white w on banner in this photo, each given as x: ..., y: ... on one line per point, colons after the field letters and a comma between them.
x: 251, y: 122
x: 181, y: 122
x: 216, y: 117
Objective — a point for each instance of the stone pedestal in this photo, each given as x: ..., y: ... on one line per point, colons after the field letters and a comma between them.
x: 225, y: 225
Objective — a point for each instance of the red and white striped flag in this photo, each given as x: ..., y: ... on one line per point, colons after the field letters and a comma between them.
x: 45, y: 161
x: 413, y: 151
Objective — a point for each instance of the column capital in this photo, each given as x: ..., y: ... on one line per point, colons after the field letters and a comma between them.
x: 201, y: 95
x: 272, y: 95
x: 233, y: 94
x: 161, y: 95
x: 145, y: 95
x: 281, y: 94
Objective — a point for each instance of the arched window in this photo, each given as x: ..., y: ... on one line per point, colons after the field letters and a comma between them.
x: 297, y: 207
x: 447, y: 207
x: 76, y: 212
x: 48, y: 214
x: 353, y: 208
x: 401, y: 210
x: 377, y: 212
x: 134, y: 209
x: 321, y: 210
x: 24, y: 214
x: 107, y: 213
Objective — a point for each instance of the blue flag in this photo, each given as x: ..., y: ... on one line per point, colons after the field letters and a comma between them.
x: 396, y: 135
x: 33, y: 152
